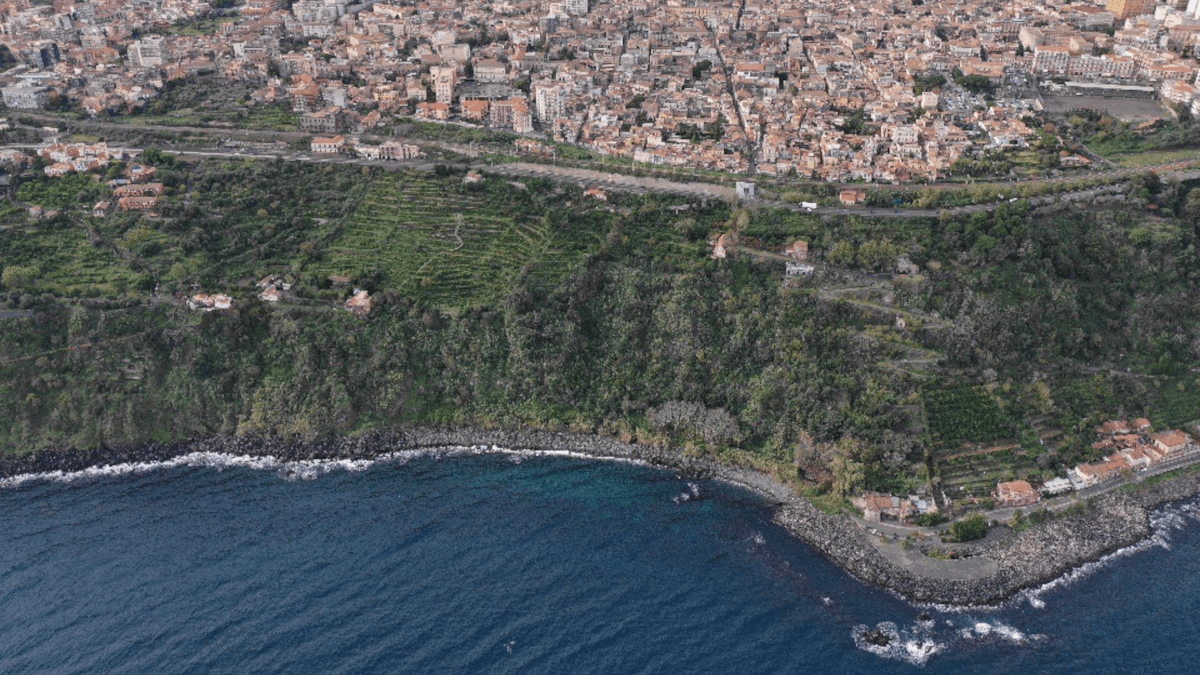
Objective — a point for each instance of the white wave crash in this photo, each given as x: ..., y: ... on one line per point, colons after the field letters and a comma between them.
x: 915, y: 646
x: 307, y: 469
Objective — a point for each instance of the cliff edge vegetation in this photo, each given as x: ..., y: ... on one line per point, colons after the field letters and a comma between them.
x: 917, y: 355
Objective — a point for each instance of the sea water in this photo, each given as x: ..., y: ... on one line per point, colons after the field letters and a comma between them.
x: 455, y: 562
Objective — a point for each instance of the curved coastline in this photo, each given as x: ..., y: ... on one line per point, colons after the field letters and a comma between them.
x: 1031, y: 558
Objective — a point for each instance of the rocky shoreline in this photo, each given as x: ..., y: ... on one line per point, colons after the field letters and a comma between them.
x: 1029, y: 559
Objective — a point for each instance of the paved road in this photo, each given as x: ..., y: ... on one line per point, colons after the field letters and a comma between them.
x: 611, y: 179
x: 913, y: 560
x: 619, y: 181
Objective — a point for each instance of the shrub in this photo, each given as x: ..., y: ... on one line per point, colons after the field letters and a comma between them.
x: 929, y: 519
x: 969, y: 529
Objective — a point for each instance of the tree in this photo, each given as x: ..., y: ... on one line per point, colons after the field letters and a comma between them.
x: 849, y: 471
x: 876, y: 255
x: 1190, y: 211
x: 928, y: 80
x: 847, y: 475
x: 18, y: 277
x: 842, y: 254
x: 969, y: 529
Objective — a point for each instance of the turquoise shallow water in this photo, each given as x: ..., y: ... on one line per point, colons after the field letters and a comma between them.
x: 511, y: 564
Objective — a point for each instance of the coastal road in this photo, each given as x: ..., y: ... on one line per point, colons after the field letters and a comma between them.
x: 887, y: 537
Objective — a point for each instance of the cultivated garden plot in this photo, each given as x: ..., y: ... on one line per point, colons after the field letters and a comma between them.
x: 452, y: 245
x: 964, y: 414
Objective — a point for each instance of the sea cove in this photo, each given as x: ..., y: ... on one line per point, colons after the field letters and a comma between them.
x: 510, y: 562
x: 305, y: 408
x: 998, y: 568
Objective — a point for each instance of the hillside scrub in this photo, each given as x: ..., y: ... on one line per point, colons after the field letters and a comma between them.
x: 530, y: 305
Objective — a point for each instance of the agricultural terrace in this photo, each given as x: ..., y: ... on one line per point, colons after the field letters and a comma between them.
x: 964, y: 415
x: 971, y: 441
x: 1178, y: 404
x: 974, y: 473
x: 458, y: 245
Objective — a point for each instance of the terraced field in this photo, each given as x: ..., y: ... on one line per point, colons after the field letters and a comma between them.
x: 79, y: 267
x: 964, y: 414
x: 1178, y: 404
x: 977, y: 474
x: 452, y: 246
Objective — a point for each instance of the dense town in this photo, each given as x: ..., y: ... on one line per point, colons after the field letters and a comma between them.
x: 888, y: 91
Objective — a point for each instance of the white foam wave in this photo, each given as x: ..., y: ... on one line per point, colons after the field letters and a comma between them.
x: 495, y: 449
x: 999, y: 631
x: 1162, y: 524
x: 915, y: 646
x: 308, y: 469
x: 928, y: 637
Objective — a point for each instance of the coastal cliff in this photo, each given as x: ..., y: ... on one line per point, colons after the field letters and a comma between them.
x: 1028, y: 559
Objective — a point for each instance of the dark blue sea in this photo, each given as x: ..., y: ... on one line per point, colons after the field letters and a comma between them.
x: 508, y: 563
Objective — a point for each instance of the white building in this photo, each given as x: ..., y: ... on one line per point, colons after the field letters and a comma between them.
x: 444, y: 78
x: 550, y: 101
x: 26, y: 96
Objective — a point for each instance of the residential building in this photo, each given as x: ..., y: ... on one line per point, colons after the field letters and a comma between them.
x: 1015, y: 493
x: 26, y: 96
x: 1123, y: 9
x: 327, y: 120
x: 328, y: 146
x: 797, y: 250
x: 444, y: 80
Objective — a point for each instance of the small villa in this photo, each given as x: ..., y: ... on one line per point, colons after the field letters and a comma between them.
x: 139, y: 190
x: 202, y: 302
x: 797, y: 250
x: 880, y: 507
x: 1015, y: 493
x: 852, y: 197
x: 328, y: 146
x: 359, y: 304
x: 1056, y: 486
x: 270, y: 294
x: 1170, y: 442
x: 137, y: 203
